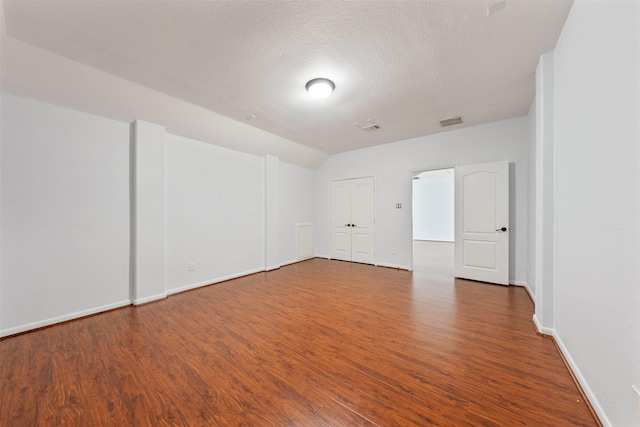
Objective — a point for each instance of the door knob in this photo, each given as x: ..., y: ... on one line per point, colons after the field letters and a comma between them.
x: 503, y: 229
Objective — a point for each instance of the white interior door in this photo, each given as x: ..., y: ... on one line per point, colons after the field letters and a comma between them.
x: 352, y: 224
x: 482, y: 222
x: 362, y: 220
x: 340, y: 216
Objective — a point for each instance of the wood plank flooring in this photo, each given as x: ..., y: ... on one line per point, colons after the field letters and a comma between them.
x: 436, y: 258
x: 319, y: 343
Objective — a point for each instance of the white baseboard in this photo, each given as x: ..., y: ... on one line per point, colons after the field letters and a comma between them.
x: 583, y: 383
x: 63, y: 318
x: 147, y: 300
x: 541, y: 329
x: 271, y: 268
x: 399, y: 267
x: 575, y: 370
x: 294, y: 261
x: 525, y: 285
x: 213, y: 281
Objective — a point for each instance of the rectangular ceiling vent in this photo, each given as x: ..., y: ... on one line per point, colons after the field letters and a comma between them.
x: 451, y: 121
x: 371, y: 128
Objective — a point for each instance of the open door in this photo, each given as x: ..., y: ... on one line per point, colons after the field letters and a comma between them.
x: 482, y: 222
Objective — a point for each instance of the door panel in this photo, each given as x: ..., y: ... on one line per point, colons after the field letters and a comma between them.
x: 481, y: 211
x: 480, y: 254
x: 362, y: 218
x: 340, y: 216
x: 479, y: 199
x: 342, y: 243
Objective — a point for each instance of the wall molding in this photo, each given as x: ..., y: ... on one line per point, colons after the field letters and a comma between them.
x: 147, y: 300
x: 213, y: 281
x: 593, y: 404
x: 64, y: 318
x: 525, y: 285
x: 399, y: 267
x: 541, y: 329
x: 295, y: 261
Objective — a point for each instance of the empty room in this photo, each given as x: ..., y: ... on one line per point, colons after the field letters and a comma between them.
x: 320, y: 213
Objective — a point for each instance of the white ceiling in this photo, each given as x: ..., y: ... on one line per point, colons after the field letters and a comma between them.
x: 403, y: 65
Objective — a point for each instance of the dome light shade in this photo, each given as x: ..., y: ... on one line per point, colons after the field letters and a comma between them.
x: 320, y: 88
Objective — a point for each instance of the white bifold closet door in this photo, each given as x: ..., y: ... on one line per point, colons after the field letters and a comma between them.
x: 352, y: 223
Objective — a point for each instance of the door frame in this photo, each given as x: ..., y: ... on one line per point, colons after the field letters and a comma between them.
x: 429, y: 169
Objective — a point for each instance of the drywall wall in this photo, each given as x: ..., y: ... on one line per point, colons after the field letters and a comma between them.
x: 65, y: 227
x: 296, y: 205
x: 147, y: 162
x: 391, y: 164
x: 544, y: 219
x: 531, y: 208
x: 271, y: 212
x: 597, y: 208
x: 65, y: 213
x: 214, y: 213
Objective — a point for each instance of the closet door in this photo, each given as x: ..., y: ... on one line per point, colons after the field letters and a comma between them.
x: 340, y: 220
x: 352, y: 207
x: 362, y: 220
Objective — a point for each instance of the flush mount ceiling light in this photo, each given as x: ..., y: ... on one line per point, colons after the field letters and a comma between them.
x: 320, y: 88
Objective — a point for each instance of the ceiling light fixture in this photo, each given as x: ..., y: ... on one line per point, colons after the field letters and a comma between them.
x: 320, y: 88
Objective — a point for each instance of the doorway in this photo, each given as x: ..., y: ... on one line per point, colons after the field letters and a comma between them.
x: 433, y: 216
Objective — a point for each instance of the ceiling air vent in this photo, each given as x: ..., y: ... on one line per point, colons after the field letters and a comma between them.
x: 451, y: 121
x: 371, y: 128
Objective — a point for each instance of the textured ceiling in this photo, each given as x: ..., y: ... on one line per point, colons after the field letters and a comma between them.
x: 401, y: 64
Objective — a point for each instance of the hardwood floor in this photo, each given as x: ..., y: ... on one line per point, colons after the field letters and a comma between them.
x: 436, y: 258
x: 319, y: 343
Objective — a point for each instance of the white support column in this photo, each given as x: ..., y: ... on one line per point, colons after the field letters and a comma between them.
x: 271, y: 169
x: 545, y: 209
x: 147, y: 212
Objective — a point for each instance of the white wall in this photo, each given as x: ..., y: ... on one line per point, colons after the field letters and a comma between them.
x: 297, y: 205
x: 148, y: 151
x: 65, y: 220
x: 544, y: 222
x: 215, y: 213
x: 433, y: 206
x: 391, y: 164
x: 597, y: 140
x: 65, y: 213
x: 531, y: 208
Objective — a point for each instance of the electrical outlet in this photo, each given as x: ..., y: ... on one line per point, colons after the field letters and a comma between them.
x: 192, y: 266
x: 636, y: 401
